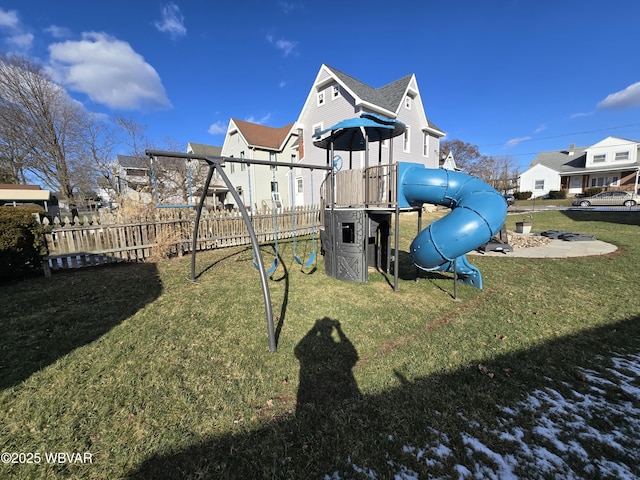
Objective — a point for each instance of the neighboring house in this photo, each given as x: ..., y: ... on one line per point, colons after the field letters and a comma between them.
x: 133, y: 178
x: 611, y: 164
x: 159, y: 181
x: 448, y: 162
x: 15, y: 195
x: 270, y: 185
x: 218, y: 191
x: 333, y: 97
x: 336, y: 96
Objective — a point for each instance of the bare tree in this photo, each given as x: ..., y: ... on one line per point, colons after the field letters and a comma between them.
x: 42, y: 126
x: 498, y: 172
x: 466, y: 155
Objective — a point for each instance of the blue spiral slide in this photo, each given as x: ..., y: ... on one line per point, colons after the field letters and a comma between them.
x: 478, y: 212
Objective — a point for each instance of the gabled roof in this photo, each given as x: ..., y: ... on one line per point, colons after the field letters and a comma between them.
x: 261, y: 136
x: 562, y: 161
x: 574, y: 160
x: 388, y: 97
x: 203, y: 149
x: 129, y: 161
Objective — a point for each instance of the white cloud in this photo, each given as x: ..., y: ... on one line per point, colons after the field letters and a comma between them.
x: 580, y: 114
x: 260, y: 121
x: 217, y: 128
x: 287, y: 47
x: 109, y: 71
x: 17, y: 39
x: 172, y: 21
x: 22, y: 41
x: 541, y: 128
x: 58, y: 32
x: 9, y: 19
x: 628, y: 97
x: 288, y: 7
x: 515, y: 141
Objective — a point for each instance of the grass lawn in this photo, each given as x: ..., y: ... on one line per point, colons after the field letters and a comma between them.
x: 149, y: 375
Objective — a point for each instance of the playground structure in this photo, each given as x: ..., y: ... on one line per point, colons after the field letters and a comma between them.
x: 360, y: 204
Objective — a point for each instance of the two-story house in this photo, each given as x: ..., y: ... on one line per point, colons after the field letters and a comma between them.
x: 611, y: 164
x: 336, y: 96
x: 260, y: 186
x: 333, y: 97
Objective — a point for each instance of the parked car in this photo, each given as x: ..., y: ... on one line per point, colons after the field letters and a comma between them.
x: 510, y: 198
x: 612, y: 198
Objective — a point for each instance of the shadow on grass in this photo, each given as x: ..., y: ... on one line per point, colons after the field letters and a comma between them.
x: 45, y: 319
x: 631, y: 217
x: 339, y: 433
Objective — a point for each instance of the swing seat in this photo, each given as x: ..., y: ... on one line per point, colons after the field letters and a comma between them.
x: 271, y: 269
x: 309, y: 262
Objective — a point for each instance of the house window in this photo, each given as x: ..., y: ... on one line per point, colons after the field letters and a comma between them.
x: 243, y: 166
x: 277, y: 202
x: 299, y: 184
x: 605, y: 181
x: 274, y: 187
x: 599, y: 158
x: 405, y: 141
x: 272, y: 158
x: 539, y: 185
x: 232, y: 168
x: 425, y: 145
x: 622, y: 156
x: 294, y: 158
x: 336, y: 91
x: 407, y: 102
x: 320, y: 98
x: 317, y: 128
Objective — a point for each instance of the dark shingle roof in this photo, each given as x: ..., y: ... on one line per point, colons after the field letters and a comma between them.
x: 388, y: 97
x: 561, y: 160
x: 129, y: 161
x: 203, y: 149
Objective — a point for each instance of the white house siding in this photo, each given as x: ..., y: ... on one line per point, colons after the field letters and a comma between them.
x: 261, y: 175
x: 608, y: 148
x: 539, y: 173
x: 333, y: 110
x: 416, y: 119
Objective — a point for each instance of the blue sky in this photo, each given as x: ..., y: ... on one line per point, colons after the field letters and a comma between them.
x: 514, y: 77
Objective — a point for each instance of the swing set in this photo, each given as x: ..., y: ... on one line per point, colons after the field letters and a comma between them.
x: 312, y: 257
x: 216, y: 164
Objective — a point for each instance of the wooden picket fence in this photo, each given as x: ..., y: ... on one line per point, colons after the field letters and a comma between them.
x: 109, y: 238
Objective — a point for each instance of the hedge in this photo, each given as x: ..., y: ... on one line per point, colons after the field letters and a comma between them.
x: 22, y: 243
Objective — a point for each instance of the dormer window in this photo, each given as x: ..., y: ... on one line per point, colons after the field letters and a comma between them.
x: 336, y: 91
x: 599, y: 158
x: 320, y: 98
x: 622, y: 156
x: 407, y: 102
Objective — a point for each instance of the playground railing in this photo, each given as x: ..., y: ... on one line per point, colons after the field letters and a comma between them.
x: 365, y: 187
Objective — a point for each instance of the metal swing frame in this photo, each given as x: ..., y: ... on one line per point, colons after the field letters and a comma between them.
x: 216, y: 163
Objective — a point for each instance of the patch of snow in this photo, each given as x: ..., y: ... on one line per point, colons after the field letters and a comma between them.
x: 544, y: 435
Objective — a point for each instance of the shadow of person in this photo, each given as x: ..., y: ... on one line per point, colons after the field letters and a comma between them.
x: 326, y: 358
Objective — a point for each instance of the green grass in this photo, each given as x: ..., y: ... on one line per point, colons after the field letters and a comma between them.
x: 160, y: 377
